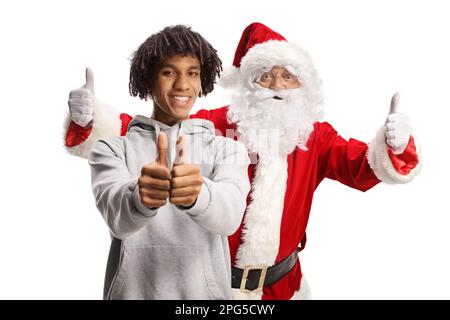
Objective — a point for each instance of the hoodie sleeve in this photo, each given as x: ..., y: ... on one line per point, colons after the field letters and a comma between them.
x: 221, y: 203
x: 116, y: 193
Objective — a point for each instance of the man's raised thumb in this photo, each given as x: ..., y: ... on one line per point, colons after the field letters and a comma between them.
x: 90, y: 80
x: 162, y: 147
x: 179, y: 157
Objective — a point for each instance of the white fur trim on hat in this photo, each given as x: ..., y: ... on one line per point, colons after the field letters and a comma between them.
x: 381, y: 164
x: 106, y: 123
x: 271, y: 53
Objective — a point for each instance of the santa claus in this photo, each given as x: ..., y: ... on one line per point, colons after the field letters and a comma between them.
x: 276, y: 105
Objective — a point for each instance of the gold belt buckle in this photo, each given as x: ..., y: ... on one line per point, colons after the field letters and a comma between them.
x: 262, y: 277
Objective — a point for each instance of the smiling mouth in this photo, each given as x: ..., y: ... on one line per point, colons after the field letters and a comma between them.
x: 180, y: 99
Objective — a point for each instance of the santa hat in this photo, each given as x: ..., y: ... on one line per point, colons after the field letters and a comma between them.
x: 261, y: 48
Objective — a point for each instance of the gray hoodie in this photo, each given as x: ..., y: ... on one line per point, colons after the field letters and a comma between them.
x: 170, y: 252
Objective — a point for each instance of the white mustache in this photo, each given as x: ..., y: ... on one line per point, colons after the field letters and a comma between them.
x: 262, y: 94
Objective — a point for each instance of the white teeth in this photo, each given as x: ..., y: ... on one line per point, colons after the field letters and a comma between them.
x: 180, y: 98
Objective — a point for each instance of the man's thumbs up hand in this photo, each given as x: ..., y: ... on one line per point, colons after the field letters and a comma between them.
x: 182, y: 186
x: 398, y: 127
x: 81, y: 101
x: 186, y: 182
x: 154, y: 182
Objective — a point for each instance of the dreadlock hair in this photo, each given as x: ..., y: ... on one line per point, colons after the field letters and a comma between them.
x: 170, y: 41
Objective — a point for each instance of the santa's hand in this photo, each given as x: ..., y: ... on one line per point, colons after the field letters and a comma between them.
x: 398, y: 127
x: 154, y: 182
x: 186, y: 182
x: 81, y: 101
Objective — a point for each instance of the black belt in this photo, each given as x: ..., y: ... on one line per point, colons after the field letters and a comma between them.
x: 256, y: 277
x: 253, y: 278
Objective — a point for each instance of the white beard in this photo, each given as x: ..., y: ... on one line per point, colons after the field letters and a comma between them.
x: 270, y: 127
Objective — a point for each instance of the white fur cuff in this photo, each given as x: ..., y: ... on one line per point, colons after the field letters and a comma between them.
x: 106, y: 123
x: 381, y: 164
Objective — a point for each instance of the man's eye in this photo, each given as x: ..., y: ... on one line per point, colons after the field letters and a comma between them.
x: 168, y: 73
x: 194, y: 73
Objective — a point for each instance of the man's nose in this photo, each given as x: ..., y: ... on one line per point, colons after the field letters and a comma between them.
x: 181, y: 83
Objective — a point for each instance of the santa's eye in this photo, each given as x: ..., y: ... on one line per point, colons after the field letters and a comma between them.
x: 267, y: 76
x: 289, y: 77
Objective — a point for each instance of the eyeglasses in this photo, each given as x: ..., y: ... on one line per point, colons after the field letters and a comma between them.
x: 286, y: 76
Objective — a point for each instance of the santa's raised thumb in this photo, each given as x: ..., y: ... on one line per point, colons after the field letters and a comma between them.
x: 89, y: 85
x: 397, y: 126
x: 394, y: 103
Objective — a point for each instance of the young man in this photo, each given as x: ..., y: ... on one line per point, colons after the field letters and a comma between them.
x: 276, y: 107
x: 169, y: 190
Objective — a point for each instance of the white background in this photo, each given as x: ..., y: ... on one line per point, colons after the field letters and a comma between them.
x: 389, y: 243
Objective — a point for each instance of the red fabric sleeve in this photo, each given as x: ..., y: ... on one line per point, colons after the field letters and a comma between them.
x: 344, y: 161
x: 125, y: 118
x: 77, y: 134
x: 218, y: 117
x: 408, y: 160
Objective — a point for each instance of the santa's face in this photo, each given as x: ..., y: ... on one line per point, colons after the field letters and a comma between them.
x: 274, y: 115
x: 279, y: 78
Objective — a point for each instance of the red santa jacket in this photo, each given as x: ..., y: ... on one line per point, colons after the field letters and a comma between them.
x: 352, y: 163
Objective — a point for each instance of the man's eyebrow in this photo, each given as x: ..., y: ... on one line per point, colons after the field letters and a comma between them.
x: 194, y: 67
x: 168, y: 65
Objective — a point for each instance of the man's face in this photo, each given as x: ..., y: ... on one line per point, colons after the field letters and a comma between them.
x: 176, y: 87
x: 279, y: 78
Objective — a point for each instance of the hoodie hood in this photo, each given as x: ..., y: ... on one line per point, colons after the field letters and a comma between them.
x: 188, y: 127
x: 194, y: 131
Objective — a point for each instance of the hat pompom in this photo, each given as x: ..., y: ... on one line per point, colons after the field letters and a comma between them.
x: 229, y: 77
